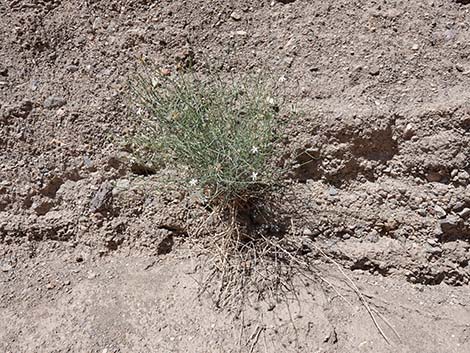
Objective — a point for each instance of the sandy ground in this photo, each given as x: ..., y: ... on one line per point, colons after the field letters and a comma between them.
x: 94, y: 255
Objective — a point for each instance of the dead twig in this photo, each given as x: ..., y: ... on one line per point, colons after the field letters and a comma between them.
x: 358, y: 293
x: 255, y: 337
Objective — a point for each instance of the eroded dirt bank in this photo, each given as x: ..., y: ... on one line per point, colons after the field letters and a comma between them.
x: 92, y: 252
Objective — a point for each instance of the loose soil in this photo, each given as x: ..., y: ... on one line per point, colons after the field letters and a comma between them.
x: 94, y: 248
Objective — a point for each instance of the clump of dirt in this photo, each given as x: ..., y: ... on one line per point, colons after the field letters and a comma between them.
x: 93, y: 245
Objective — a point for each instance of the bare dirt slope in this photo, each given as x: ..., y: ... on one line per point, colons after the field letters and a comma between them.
x: 134, y: 304
x: 92, y: 250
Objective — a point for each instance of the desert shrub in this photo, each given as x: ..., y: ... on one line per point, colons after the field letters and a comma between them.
x: 219, y: 134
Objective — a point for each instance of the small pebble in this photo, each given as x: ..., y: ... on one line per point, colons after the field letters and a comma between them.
x: 465, y: 213
x: 6, y: 268
x: 431, y: 241
x: 236, y: 16
x: 463, y: 176
x: 91, y: 275
x: 458, y: 206
x: 54, y: 102
x: 408, y: 132
x: 332, y: 191
x: 440, y: 212
x: 72, y: 68
x: 374, y: 71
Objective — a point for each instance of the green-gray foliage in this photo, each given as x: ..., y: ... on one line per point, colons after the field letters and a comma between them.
x: 219, y: 133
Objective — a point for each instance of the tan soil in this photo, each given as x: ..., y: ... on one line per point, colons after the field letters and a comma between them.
x: 94, y: 255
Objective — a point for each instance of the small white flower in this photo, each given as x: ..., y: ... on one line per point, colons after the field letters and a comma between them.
x: 140, y: 111
x: 254, y: 176
x: 254, y: 150
x: 193, y: 182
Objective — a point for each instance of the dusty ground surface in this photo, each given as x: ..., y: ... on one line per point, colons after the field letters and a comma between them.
x: 93, y: 256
